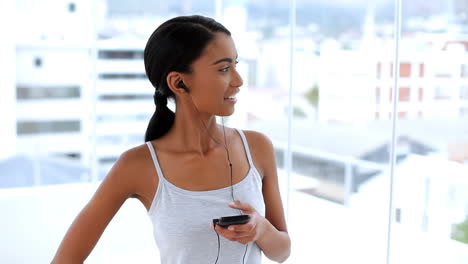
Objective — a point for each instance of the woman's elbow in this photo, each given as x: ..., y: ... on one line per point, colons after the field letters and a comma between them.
x: 63, y: 258
x: 286, y: 255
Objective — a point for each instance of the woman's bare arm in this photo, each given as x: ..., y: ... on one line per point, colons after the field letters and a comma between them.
x: 90, y: 223
x: 275, y: 242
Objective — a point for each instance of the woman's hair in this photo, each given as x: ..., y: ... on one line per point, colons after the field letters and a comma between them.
x: 174, y: 46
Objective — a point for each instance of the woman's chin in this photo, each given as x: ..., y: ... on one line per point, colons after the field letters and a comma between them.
x: 230, y: 113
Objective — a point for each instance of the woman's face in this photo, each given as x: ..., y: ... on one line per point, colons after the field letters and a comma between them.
x: 214, y: 77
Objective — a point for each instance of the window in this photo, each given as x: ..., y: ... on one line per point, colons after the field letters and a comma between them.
x: 28, y: 92
x: 37, y: 127
x: 334, y: 145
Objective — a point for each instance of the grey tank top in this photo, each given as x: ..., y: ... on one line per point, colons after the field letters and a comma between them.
x: 181, y: 219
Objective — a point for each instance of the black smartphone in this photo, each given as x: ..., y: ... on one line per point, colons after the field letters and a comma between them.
x: 232, y: 220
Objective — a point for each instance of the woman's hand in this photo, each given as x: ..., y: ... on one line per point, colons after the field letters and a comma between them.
x: 245, y: 233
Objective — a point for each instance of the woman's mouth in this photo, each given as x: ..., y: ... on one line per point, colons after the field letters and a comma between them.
x: 231, y: 99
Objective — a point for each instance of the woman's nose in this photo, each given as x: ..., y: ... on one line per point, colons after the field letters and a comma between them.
x: 237, y: 79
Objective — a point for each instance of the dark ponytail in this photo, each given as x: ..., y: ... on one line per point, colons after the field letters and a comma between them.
x: 174, y: 46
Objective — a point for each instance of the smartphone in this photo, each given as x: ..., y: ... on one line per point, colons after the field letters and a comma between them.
x: 232, y: 220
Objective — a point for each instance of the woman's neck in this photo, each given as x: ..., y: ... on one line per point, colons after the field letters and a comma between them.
x: 195, y: 132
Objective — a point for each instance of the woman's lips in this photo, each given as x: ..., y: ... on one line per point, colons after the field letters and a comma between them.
x: 231, y: 99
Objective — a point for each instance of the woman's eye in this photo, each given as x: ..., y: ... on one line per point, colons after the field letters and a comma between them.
x: 226, y: 69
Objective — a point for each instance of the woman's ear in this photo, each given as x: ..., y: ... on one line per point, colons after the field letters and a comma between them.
x: 175, y: 83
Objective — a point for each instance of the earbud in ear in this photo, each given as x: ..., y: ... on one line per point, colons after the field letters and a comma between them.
x: 182, y: 85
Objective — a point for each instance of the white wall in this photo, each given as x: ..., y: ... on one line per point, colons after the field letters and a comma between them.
x: 7, y: 80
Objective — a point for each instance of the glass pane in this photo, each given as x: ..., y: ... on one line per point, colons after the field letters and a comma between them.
x: 81, y: 98
x: 431, y: 184
x: 124, y: 96
x: 341, y: 132
x: 48, y: 115
x: 124, y: 106
x: 52, y: 83
x: 261, y: 33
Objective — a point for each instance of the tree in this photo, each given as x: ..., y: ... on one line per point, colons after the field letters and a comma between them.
x: 460, y: 231
x: 313, y: 96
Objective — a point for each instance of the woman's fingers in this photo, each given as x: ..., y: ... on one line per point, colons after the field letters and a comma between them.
x: 242, y: 228
x: 245, y: 207
x: 235, y: 235
x: 244, y: 233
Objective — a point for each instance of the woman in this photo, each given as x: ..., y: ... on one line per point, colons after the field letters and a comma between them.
x: 191, y: 169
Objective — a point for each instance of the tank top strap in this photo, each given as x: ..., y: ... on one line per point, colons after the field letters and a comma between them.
x: 246, y: 147
x: 155, y: 160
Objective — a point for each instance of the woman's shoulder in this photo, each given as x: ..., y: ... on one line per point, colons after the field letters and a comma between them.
x: 134, y: 169
x: 261, y: 149
x: 134, y: 162
x: 135, y: 155
x: 257, y: 139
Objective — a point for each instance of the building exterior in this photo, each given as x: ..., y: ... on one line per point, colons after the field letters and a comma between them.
x: 124, y: 98
x: 79, y: 94
x: 433, y: 81
x: 54, y: 78
x: 7, y: 82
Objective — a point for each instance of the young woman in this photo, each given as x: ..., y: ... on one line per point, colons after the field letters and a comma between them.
x: 191, y: 169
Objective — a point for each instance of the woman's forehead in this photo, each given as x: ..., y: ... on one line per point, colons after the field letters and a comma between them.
x: 222, y: 46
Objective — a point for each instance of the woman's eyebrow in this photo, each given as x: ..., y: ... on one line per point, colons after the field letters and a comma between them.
x: 223, y: 60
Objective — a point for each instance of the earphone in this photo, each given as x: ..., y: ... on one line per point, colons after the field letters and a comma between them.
x: 182, y: 85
